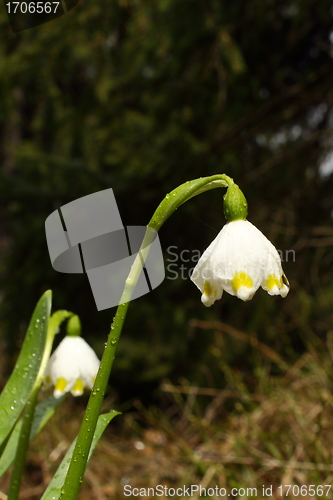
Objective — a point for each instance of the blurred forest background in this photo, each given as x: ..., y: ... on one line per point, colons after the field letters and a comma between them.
x: 141, y: 96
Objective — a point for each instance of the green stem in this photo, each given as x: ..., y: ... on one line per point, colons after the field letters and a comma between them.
x: 185, y: 192
x: 170, y: 203
x: 19, y: 462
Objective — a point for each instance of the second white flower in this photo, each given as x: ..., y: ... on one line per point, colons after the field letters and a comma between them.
x: 72, y: 366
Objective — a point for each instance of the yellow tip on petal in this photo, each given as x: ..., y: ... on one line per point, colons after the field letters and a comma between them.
x: 241, y: 280
x: 78, y: 388
x: 245, y: 293
x: 60, y: 387
x: 207, y: 289
x: 209, y: 295
x: 272, y: 282
x: 277, y: 286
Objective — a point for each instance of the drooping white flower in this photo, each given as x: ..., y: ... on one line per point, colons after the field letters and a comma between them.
x: 239, y: 261
x: 72, y: 366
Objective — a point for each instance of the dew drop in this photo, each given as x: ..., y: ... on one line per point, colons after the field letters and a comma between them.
x: 113, y: 341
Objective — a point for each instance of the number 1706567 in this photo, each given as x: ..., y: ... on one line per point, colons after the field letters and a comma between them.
x: 32, y: 7
x: 311, y: 490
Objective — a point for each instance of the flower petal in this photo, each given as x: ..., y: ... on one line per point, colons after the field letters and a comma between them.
x: 274, y: 280
x: 60, y: 387
x: 242, y: 284
x: 77, y: 389
x: 211, y: 293
x: 239, y: 260
x: 72, y: 366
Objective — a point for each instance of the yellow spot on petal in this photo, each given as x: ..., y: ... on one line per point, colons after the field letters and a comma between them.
x: 272, y: 281
x: 78, y: 388
x: 241, y: 279
x: 60, y: 385
x: 207, y: 289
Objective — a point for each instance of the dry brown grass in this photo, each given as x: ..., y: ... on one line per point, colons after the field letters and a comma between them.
x: 278, y: 433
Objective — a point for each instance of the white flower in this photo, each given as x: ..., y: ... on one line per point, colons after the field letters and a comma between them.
x: 239, y: 261
x: 72, y: 366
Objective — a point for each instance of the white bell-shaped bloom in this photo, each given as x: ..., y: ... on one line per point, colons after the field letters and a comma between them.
x: 72, y: 366
x: 239, y: 261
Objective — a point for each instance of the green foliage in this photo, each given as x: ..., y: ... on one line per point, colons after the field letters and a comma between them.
x: 43, y: 412
x: 55, y: 487
x: 18, y: 388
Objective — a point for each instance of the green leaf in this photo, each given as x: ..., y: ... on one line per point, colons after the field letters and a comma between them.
x: 21, y: 381
x: 54, y: 489
x: 43, y: 413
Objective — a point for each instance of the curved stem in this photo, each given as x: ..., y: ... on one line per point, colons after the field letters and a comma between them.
x: 170, y: 203
x: 185, y: 192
